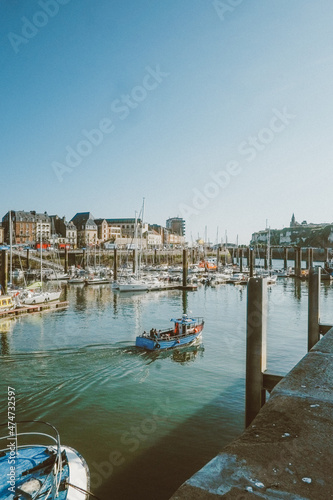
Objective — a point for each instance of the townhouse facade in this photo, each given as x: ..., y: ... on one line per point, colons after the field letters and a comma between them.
x: 87, y: 231
x: 63, y: 233
x: 27, y: 227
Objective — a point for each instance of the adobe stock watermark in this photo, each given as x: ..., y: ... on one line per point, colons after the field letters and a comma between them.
x: 132, y: 439
x: 223, y: 7
x: 121, y: 107
x: 249, y: 149
x: 30, y: 27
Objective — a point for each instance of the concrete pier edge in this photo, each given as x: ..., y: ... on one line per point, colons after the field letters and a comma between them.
x: 287, y: 451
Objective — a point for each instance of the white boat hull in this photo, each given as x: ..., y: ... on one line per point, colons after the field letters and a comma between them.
x: 132, y: 287
x: 40, y: 298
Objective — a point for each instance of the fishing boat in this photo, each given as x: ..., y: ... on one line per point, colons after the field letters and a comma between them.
x: 185, y: 331
x: 208, y: 265
x: 33, y: 464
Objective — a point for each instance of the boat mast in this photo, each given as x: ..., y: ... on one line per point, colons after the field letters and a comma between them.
x: 135, y: 246
x: 11, y: 247
x: 268, y: 244
x: 41, y: 251
x: 141, y: 230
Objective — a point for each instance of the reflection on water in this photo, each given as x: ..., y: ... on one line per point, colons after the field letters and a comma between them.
x: 6, y: 327
x: 184, y: 355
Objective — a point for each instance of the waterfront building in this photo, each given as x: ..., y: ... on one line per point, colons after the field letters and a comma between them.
x: 87, y: 232
x: 127, y: 226
x: 27, y: 226
x: 176, y: 225
x: 107, y: 231
x: 174, y: 239
x: 131, y: 243
x: 43, y: 227
x: 2, y: 235
x: 168, y: 237
x: 63, y: 233
x: 153, y: 239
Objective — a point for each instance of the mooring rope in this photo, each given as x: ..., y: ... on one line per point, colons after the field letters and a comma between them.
x: 83, y: 491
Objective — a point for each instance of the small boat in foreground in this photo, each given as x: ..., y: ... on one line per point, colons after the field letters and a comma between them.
x: 186, y: 330
x: 6, y: 303
x: 44, y: 470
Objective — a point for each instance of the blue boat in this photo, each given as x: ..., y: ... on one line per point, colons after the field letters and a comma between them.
x: 185, y: 331
x: 33, y: 464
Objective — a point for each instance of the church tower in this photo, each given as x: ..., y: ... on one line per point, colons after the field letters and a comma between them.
x: 293, y: 222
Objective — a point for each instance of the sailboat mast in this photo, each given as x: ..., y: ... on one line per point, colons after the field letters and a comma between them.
x: 268, y: 247
x: 135, y: 246
x: 141, y: 231
x: 11, y: 247
x: 41, y: 251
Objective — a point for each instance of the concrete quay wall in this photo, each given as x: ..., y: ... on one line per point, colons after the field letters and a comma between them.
x: 287, y: 450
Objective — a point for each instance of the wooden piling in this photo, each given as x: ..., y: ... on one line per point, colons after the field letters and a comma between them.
x: 327, y: 254
x: 270, y: 258
x: 265, y: 259
x: 285, y: 258
x: 185, y: 267
x: 241, y: 261
x: 310, y: 258
x: 28, y: 258
x: 66, y: 259
x: 134, y: 258
x: 255, y: 346
x: 217, y: 259
x: 314, y: 306
x: 251, y: 262
x: 4, y: 270
x: 298, y: 256
x: 115, y: 263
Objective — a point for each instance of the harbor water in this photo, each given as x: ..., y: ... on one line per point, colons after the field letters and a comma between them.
x: 145, y: 422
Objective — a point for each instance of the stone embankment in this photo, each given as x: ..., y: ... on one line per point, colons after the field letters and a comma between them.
x: 287, y: 450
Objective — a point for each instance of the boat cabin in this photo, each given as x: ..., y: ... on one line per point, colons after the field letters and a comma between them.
x: 184, y: 325
x: 6, y: 303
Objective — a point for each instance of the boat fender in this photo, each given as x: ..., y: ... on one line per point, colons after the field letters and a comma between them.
x: 157, y: 346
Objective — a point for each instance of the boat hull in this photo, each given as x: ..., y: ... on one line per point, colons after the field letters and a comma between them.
x: 161, y: 344
x: 40, y: 298
x: 132, y: 287
x: 45, y: 470
x: 75, y: 470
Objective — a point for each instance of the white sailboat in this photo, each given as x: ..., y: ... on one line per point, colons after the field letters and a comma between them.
x: 135, y: 284
x: 35, y: 293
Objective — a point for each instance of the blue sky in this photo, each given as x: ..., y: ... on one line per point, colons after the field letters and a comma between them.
x: 220, y: 112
